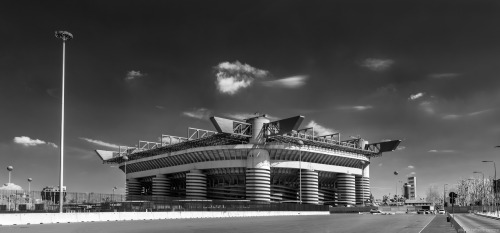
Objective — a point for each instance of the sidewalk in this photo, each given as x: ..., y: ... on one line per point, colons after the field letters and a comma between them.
x: 439, y: 225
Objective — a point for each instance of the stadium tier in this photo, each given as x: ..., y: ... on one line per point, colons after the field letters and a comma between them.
x: 255, y: 159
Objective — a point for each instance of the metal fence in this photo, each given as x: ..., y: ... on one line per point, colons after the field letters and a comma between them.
x: 18, y: 201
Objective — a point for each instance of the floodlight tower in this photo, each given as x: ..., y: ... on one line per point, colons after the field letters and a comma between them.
x: 29, y: 185
x: 65, y: 36
x: 10, y: 168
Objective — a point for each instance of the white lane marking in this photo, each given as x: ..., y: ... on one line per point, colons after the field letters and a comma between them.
x: 427, y: 224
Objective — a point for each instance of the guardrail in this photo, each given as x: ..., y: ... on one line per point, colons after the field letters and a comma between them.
x: 454, y: 223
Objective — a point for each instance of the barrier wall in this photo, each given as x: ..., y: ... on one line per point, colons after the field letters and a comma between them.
x: 47, y: 218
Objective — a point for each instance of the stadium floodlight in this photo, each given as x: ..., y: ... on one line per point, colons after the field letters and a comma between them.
x: 10, y: 168
x: 65, y: 36
x: 301, y: 143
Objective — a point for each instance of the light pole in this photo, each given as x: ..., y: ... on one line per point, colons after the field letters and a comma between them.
x: 484, y: 193
x: 125, y: 158
x: 29, y: 185
x: 444, y: 194
x: 494, y: 186
x: 65, y: 36
x: 10, y: 168
x: 113, y: 197
x: 396, y: 174
x: 301, y: 143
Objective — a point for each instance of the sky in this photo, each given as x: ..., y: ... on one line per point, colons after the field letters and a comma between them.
x: 425, y: 72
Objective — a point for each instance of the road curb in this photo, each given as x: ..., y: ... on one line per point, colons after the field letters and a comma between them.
x: 487, y: 216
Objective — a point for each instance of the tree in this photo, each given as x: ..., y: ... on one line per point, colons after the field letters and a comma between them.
x: 433, y: 195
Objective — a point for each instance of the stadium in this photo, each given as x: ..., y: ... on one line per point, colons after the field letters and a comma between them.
x: 255, y: 159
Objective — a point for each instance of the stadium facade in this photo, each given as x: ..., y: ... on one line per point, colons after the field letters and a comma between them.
x: 252, y: 159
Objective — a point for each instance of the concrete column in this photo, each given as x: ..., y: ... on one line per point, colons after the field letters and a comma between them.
x: 133, y: 188
x: 258, y: 176
x: 346, y: 189
x: 196, y: 185
x: 161, y: 186
x: 309, y: 187
x: 362, y: 189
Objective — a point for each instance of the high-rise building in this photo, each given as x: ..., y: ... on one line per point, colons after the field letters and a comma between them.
x: 412, y: 181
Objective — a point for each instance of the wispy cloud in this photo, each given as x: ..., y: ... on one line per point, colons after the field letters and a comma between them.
x: 400, y: 147
x: 442, y: 151
x: 380, y: 164
x: 411, y: 167
x: 52, y: 92
x: 246, y: 115
x: 416, y: 96
x: 428, y: 107
x: 412, y: 173
x: 100, y: 143
x: 319, y: 129
x: 199, y: 113
x: 470, y: 114
x: 131, y: 75
x: 289, y: 82
x: 444, y: 75
x: 159, y: 107
x: 232, y: 77
x: 27, y: 141
x: 356, y: 107
x: 377, y: 64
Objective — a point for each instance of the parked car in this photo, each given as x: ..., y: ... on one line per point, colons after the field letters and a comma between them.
x: 375, y: 211
x: 441, y: 211
x: 421, y: 211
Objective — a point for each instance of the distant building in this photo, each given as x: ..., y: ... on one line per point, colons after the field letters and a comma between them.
x: 412, y: 181
x: 406, y: 191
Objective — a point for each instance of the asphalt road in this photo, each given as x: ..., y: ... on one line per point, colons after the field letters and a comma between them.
x: 474, y: 223
x: 342, y: 223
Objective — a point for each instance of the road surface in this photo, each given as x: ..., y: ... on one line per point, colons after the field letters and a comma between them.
x: 342, y: 223
x: 474, y: 223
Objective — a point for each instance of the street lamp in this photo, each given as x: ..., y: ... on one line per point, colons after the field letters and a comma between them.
x: 65, y: 36
x: 494, y: 182
x: 444, y: 194
x: 10, y: 168
x: 484, y: 193
x: 396, y: 173
x: 301, y: 143
x: 112, y: 197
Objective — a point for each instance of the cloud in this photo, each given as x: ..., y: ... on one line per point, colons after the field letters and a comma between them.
x: 319, y: 129
x: 441, y: 151
x: 100, y: 143
x: 200, y: 113
x: 470, y: 114
x: 131, y: 75
x: 27, y: 141
x: 357, y: 107
x: 231, y: 77
x: 11, y: 186
x: 380, y: 164
x: 159, y: 107
x: 289, y: 82
x: 411, y: 167
x: 444, y: 75
x: 377, y: 64
x: 246, y: 115
x: 400, y: 147
x: 416, y: 96
x: 428, y: 107
x: 413, y: 173
x: 385, y: 90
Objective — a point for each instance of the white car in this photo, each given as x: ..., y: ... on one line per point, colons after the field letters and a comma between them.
x: 441, y: 212
x: 421, y: 212
x: 375, y: 211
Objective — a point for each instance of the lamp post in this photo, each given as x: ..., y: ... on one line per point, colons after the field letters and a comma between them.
x: 125, y: 158
x: 444, y: 194
x: 10, y: 168
x: 65, y: 36
x: 29, y: 185
x: 301, y: 143
x: 113, y: 197
x: 396, y: 174
x: 482, y: 200
x: 494, y: 186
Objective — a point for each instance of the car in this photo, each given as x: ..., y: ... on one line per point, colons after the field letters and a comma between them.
x: 375, y: 211
x: 441, y: 212
x: 421, y: 212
